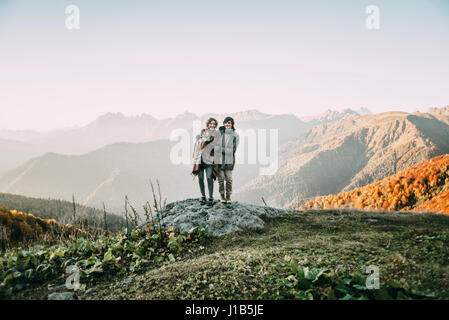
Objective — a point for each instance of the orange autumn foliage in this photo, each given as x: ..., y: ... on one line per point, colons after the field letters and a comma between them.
x: 21, y: 226
x: 424, y: 187
x: 438, y: 204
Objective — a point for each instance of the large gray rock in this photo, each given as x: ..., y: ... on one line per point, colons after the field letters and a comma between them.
x: 61, y: 287
x: 218, y: 219
x: 61, y: 296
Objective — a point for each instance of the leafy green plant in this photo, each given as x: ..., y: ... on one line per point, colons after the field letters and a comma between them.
x: 102, y: 257
x: 320, y: 284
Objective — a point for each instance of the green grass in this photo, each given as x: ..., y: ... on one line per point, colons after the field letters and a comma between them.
x: 410, y: 249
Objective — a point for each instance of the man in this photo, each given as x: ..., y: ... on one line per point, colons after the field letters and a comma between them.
x: 204, y: 159
x: 229, y: 142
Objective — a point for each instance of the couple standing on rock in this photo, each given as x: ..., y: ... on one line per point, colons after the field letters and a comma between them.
x: 214, y: 153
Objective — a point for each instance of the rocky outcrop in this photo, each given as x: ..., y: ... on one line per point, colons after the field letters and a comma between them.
x: 61, y: 296
x: 217, y: 219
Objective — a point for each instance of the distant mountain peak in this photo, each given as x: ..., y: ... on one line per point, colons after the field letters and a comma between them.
x: 364, y: 110
x: 251, y: 114
x: 111, y: 115
x: 186, y: 115
x: 112, y: 118
x: 330, y: 116
x: 146, y: 116
x: 439, y: 111
x: 350, y: 111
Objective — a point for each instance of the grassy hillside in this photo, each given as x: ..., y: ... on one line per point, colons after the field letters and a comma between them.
x: 410, y: 250
x: 61, y: 211
x: 422, y: 188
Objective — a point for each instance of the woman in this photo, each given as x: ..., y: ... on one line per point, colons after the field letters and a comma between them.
x: 203, y: 159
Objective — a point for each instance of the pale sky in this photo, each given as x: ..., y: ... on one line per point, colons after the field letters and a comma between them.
x: 170, y: 56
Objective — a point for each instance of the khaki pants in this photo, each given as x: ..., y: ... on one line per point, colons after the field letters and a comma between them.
x: 225, y: 175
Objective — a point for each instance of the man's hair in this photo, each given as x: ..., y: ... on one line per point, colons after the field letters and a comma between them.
x: 210, y: 120
x: 229, y: 119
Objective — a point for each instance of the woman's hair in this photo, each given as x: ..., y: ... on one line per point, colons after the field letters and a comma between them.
x: 210, y: 120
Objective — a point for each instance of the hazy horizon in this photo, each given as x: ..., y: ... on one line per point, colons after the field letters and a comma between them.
x: 164, y: 58
x: 200, y: 115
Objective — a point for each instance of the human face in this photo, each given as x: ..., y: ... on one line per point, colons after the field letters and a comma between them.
x: 228, y: 125
x: 212, y: 125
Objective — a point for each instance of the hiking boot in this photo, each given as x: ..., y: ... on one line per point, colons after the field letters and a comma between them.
x: 203, y: 200
x: 223, y: 200
x: 211, y: 201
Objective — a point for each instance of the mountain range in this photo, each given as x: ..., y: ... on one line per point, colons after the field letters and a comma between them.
x: 16, y: 152
x: 97, y: 167
x: 345, y: 153
x: 22, y: 145
x: 350, y: 153
x: 334, y: 115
